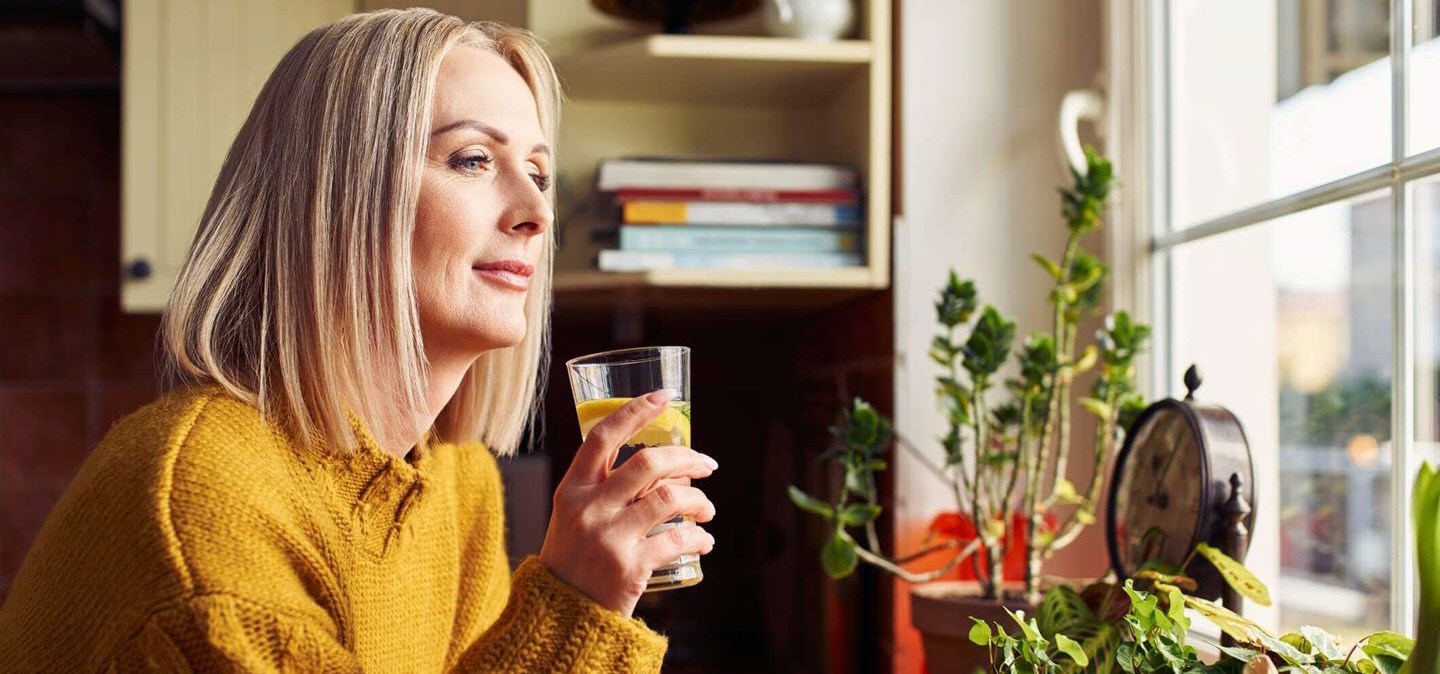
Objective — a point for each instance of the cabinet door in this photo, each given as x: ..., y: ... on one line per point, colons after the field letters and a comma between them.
x: 192, y: 68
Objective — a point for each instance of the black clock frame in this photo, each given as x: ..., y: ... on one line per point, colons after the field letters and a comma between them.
x: 1221, y: 440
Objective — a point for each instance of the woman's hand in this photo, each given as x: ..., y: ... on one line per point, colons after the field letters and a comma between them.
x: 597, y: 539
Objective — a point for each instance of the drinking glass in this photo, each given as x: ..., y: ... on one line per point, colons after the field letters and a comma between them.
x: 603, y: 382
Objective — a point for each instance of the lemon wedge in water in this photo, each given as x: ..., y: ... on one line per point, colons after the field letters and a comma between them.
x: 672, y: 427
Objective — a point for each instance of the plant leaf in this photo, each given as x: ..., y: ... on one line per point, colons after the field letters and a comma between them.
x: 858, y: 514
x: 1236, y: 575
x: 1065, y: 492
x: 1387, y: 664
x: 1125, y: 657
x: 1290, y: 654
x: 838, y: 556
x: 1065, y: 645
x: 1240, y: 628
x: 980, y: 632
x: 1322, y: 643
x: 855, y: 483
x: 809, y: 503
x: 1063, y: 611
x: 1240, y: 653
x: 1102, y: 648
x: 1098, y: 408
x: 1052, y: 268
x: 1389, y: 644
x: 1028, y: 628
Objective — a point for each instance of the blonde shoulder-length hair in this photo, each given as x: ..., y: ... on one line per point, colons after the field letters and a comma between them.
x: 297, y: 295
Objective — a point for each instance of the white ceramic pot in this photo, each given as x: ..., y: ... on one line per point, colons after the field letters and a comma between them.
x: 809, y: 19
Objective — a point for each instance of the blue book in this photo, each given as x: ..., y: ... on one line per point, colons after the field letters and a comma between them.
x: 637, y: 260
x: 684, y: 238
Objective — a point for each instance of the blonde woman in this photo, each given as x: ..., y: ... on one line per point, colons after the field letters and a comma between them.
x: 360, y: 324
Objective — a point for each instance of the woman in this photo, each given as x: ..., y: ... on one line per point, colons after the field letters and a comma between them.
x: 365, y: 303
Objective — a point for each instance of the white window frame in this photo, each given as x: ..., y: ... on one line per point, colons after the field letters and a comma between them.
x: 1138, y: 131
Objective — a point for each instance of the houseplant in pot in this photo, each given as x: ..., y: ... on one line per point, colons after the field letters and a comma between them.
x: 1005, y: 455
x: 1114, y: 627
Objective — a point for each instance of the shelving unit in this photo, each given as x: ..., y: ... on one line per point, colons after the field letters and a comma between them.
x: 713, y: 69
x: 718, y: 96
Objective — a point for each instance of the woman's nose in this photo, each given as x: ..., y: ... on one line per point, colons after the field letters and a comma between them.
x: 529, y: 210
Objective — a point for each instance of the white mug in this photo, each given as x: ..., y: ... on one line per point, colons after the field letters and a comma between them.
x: 809, y: 19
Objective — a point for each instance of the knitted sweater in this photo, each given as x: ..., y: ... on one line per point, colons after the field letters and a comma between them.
x: 198, y: 538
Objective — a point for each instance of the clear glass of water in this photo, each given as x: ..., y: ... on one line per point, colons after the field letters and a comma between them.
x: 603, y: 382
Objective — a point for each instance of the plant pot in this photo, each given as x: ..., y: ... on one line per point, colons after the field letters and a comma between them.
x: 942, y: 612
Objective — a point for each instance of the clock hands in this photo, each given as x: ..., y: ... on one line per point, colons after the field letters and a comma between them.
x: 1160, y: 499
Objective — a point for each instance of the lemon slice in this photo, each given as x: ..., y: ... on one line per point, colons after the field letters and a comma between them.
x: 672, y: 427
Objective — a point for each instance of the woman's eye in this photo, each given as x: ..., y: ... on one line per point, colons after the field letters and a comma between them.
x: 472, y: 163
x: 541, y: 181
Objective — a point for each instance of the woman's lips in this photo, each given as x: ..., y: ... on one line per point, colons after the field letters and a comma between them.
x: 509, y: 274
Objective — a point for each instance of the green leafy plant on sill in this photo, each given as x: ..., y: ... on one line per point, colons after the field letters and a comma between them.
x: 1007, y: 459
x: 1147, y: 630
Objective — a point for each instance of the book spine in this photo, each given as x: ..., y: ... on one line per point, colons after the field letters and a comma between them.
x: 737, y: 239
x: 738, y: 213
x: 615, y: 174
x: 634, y: 260
x: 629, y: 194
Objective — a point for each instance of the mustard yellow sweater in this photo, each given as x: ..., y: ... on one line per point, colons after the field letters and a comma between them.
x: 197, y: 538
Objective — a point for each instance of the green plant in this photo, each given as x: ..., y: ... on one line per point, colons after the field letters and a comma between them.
x: 1007, y: 444
x: 1425, y: 512
x: 1151, y: 632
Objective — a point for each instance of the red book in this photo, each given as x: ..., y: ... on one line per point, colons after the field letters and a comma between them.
x: 841, y: 196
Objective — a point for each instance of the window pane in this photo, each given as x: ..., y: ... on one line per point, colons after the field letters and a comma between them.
x: 1424, y: 69
x: 1290, y: 323
x: 1271, y: 98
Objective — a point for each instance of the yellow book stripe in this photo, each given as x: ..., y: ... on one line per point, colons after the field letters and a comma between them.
x: 643, y: 212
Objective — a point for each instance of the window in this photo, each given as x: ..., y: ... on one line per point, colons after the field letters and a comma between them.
x: 1289, y: 193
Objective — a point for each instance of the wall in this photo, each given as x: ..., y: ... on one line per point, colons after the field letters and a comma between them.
x: 70, y: 362
x: 981, y: 86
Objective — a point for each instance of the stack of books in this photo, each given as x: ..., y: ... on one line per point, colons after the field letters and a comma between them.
x: 663, y: 213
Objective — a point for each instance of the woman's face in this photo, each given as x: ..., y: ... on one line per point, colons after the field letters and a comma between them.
x: 482, y: 217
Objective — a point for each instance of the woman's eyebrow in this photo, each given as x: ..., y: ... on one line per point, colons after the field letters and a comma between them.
x: 500, y: 136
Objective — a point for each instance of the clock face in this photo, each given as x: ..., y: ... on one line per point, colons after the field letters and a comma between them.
x: 1159, y: 492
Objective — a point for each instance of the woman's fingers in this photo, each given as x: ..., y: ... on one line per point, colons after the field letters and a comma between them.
x: 664, y: 503
x: 667, y: 546
x: 592, y: 462
x: 652, y: 465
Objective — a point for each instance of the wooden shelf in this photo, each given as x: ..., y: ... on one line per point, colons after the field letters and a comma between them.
x: 583, y: 281
x: 714, y: 69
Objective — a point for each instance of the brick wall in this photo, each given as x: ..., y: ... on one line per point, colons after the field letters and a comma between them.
x: 70, y: 362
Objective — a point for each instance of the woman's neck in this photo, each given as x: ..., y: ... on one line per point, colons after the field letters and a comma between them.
x: 446, y: 373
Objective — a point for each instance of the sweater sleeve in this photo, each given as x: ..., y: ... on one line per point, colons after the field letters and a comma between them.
x: 549, y: 626
x: 226, y: 633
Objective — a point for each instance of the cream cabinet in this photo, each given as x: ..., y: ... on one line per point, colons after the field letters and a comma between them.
x: 191, y: 70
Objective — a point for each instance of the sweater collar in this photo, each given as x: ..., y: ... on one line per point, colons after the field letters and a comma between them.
x: 380, y: 490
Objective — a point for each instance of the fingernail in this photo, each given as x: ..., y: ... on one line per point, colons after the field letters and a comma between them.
x: 714, y: 465
x: 658, y: 398
x: 712, y: 540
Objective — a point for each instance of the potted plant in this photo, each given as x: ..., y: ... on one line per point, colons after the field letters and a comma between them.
x: 1150, y: 633
x: 1005, y: 455
x: 1110, y: 627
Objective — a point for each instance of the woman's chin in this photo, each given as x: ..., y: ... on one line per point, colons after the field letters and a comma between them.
x: 499, y: 336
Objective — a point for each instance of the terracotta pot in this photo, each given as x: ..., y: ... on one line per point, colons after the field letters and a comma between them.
x: 942, y: 612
